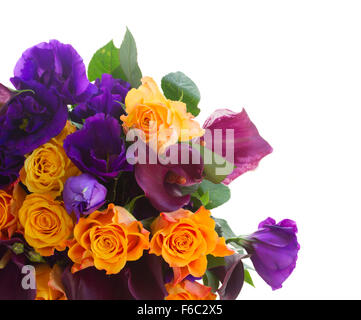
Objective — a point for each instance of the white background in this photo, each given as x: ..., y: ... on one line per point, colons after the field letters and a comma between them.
x: 296, y: 68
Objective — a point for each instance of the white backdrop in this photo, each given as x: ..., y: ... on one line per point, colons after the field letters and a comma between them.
x: 296, y: 68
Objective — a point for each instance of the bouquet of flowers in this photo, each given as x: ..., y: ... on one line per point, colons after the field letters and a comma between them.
x: 107, y: 182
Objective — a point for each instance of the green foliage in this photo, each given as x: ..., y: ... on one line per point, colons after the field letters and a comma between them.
x: 178, y: 87
x: 119, y: 62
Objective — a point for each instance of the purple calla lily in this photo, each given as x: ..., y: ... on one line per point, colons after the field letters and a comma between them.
x: 11, y: 275
x: 132, y: 283
x: 232, y: 277
x: 5, y: 95
x: 161, y: 182
x: 249, y: 146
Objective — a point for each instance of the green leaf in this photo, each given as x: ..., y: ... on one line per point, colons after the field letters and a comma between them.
x: 129, y: 68
x: 196, y: 203
x: 105, y: 60
x: 218, y: 194
x: 189, y: 189
x: 248, y: 278
x: 223, y: 229
x: 178, y: 87
x: 119, y: 62
x: 216, y: 168
x: 214, y: 262
x: 210, y: 280
x: 205, y: 198
x: 130, y: 206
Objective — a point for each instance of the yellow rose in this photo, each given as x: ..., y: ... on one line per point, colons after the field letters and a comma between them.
x: 48, y: 283
x: 159, y: 118
x: 45, y: 223
x: 47, y: 168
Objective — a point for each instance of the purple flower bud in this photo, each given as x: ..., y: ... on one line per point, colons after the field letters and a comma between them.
x: 83, y: 195
x: 274, y: 250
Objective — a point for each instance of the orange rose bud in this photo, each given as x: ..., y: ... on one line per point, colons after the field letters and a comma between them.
x: 107, y: 240
x: 161, y: 120
x: 188, y: 290
x: 184, y: 239
x: 48, y: 283
x: 45, y: 223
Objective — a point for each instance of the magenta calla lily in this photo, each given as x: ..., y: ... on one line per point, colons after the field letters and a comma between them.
x: 249, y: 146
x: 161, y: 183
x: 5, y: 95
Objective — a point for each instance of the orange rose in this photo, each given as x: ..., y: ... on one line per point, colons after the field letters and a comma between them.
x: 107, y: 240
x: 48, y: 283
x: 184, y: 239
x: 45, y: 223
x: 47, y: 168
x: 160, y: 119
x: 188, y: 290
x: 9, y: 208
x: 7, y: 217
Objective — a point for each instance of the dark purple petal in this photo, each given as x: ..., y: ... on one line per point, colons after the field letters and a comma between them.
x: 10, y: 166
x: 93, y: 284
x: 274, y: 250
x: 55, y: 65
x: 146, y: 285
x: 232, y: 277
x: 83, y: 194
x: 98, y: 148
x: 31, y: 119
x: 249, y: 146
x: 143, y: 209
x: 11, y: 276
x: 132, y: 283
x: 152, y: 178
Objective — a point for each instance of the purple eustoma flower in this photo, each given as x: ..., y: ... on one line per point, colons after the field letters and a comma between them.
x: 98, y: 148
x: 249, y: 146
x: 31, y: 119
x: 111, y: 93
x: 274, y: 249
x: 83, y: 194
x: 162, y: 183
x: 55, y: 65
